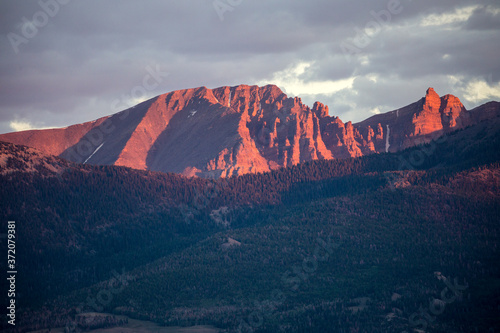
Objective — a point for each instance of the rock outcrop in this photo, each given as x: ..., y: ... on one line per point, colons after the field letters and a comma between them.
x: 244, y: 129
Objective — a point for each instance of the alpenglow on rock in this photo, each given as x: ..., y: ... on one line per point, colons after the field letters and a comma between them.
x: 244, y: 129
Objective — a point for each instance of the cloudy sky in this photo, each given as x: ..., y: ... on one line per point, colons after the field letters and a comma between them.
x: 69, y: 61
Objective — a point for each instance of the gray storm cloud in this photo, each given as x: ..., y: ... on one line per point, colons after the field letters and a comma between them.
x: 69, y: 61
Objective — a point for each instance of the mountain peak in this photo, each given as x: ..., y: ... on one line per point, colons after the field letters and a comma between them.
x: 242, y: 129
x: 432, y: 100
x: 320, y: 109
x: 431, y: 92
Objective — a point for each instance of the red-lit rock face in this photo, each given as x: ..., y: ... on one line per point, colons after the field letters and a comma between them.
x: 236, y: 130
x: 428, y: 120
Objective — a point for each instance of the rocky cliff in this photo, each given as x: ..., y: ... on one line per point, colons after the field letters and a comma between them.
x: 245, y: 129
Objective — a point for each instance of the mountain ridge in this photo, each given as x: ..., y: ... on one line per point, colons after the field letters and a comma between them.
x: 243, y: 129
x: 169, y: 231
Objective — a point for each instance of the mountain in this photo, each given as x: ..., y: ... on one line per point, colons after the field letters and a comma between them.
x: 418, y: 123
x: 230, y: 131
x: 358, y: 244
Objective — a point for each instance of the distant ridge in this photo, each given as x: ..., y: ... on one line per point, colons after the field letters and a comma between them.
x: 245, y: 129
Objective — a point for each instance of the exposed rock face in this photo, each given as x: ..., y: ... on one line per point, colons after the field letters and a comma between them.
x: 243, y: 129
x: 53, y: 141
x: 420, y: 122
x: 438, y: 114
x: 428, y: 120
x: 153, y: 123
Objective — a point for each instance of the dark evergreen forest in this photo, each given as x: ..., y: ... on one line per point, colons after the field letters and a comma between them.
x: 354, y: 245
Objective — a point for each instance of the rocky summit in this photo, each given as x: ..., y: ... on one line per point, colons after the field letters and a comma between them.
x: 230, y: 131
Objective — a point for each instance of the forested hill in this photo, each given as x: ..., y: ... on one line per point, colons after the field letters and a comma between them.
x: 391, y: 213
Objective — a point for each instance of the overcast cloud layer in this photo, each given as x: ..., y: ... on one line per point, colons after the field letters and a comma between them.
x: 70, y: 61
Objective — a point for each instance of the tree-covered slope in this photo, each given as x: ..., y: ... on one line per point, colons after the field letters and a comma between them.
x: 356, y: 244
